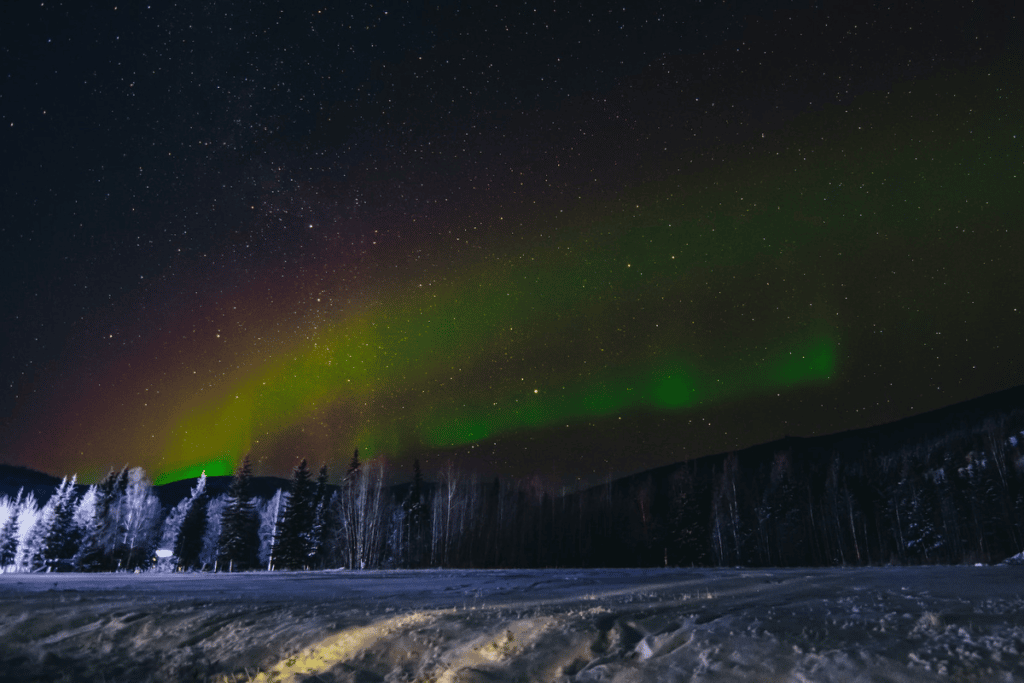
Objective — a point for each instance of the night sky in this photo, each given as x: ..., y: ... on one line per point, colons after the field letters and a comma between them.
x: 577, y: 240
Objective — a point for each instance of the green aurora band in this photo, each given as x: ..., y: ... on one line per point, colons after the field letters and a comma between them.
x: 692, y: 290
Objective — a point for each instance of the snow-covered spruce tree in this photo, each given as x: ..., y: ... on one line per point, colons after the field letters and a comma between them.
x: 239, y: 541
x: 30, y: 550
x: 42, y: 541
x: 85, y: 511
x: 28, y: 515
x: 60, y: 542
x: 211, y: 537
x: 99, y: 534
x: 87, y: 522
x: 116, y: 522
x: 9, y: 531
x: 290, y: 547
x: 88, y: 517
x: 172, y: 525
x: 189, y: 541
x: 5, y: 508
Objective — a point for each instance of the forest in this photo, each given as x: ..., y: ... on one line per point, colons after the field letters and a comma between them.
x: 952, y: 498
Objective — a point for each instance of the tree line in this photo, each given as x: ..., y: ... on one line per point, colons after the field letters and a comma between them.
x: 958, y: 498
x: 119, y: 525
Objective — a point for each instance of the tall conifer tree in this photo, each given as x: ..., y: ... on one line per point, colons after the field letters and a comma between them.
x: 189, y: 542
x: 9, y: 533
x: 94, y: 553
x: 59, y: 542
x: 290, y: 543
x: 239, y: 532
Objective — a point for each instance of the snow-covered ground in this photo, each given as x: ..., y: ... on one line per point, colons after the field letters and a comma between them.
x: 876, y: 624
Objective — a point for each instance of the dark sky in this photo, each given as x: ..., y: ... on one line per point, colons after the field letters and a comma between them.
x: 574, y: 239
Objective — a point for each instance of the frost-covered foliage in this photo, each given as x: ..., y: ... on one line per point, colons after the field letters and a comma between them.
x: 8, y: 507
x: 9, y: 510
x: 270, y: 513
x: 27, y: 516
x: 211, y: 536
x: 360, y: 514
x: 956, y: 498
x: 100, y: 524
x: 140, y: 515
x: 188, y: 543
x: 85, y: 510
x: 53, y: 541
x: 172, y: 524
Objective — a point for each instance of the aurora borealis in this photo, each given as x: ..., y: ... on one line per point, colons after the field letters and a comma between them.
x: 437, y: 240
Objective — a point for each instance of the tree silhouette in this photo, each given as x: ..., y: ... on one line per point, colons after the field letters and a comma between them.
x: 239, y: 541
x: 317, y: 537
x: 415, y: 520
x: 189, y: 542
x: 290, y: 543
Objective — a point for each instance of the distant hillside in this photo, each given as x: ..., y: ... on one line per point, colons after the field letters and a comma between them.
x: 13, y: 478
x: 945, y: 487
x: 172, y: 493
x: 910, y: 432
x: 886, y: 438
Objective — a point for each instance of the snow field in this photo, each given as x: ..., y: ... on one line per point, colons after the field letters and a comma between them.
x: 624, y: 626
